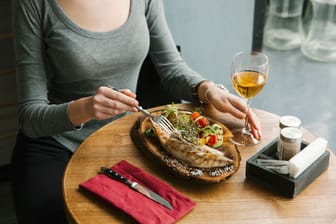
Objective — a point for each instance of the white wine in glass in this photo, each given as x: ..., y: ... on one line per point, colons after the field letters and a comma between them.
x: 249, y: 74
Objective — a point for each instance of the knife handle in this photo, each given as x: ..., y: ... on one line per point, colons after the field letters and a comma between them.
x: 115, y: 175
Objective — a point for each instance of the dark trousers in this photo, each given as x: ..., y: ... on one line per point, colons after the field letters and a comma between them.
x: 37, y: 170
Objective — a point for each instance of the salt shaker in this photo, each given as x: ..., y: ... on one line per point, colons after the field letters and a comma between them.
x: 287, y: 121
x: 289, y: 142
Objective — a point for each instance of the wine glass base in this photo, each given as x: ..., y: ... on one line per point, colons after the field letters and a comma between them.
x: 243, y: 137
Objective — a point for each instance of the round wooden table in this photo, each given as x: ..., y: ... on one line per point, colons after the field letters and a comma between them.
x: 236, y: 200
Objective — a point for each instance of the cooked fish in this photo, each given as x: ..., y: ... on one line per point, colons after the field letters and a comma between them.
x: 194, y: 155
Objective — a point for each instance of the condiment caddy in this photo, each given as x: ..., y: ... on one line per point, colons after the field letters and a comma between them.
x: 288, y: 178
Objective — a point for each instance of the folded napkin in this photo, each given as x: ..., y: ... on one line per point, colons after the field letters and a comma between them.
x: 141, y: 208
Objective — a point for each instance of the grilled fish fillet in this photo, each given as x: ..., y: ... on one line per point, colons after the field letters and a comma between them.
x: 194, y: 155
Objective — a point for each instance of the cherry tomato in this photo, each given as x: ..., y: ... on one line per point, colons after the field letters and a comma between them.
x: 212, y: 140
x: 201, y: 122
x: 194, y: 115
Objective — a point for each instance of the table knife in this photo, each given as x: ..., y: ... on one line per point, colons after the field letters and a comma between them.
x: 135, y: 186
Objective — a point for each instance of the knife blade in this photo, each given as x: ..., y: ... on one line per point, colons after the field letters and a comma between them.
x: 136, y: 186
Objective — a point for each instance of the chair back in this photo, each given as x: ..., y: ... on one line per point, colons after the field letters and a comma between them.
x: 150, y: 92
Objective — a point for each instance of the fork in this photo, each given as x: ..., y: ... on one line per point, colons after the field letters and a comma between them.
x: 161, y: 120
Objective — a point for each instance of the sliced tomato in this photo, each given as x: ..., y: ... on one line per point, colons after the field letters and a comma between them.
x: 201, y: 122
x: 212, y: 140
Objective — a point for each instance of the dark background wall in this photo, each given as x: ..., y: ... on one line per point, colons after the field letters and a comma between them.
x: 8, y: 124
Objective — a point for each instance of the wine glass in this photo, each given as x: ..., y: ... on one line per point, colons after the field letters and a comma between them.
x: 249, y: 73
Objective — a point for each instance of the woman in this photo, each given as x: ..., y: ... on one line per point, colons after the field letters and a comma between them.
x: 68, y: 53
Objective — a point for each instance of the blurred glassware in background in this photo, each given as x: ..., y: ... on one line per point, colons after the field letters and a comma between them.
x: 320, y: 43
x: 283, y: 28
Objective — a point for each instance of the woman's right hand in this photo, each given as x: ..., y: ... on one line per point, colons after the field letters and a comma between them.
x: 106, y: 103
x: 229, y: 103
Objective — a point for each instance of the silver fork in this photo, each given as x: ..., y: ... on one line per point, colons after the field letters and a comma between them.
x: 161, y: 120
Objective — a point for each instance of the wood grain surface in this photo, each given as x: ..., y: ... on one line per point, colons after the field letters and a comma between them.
x: 236, y: 200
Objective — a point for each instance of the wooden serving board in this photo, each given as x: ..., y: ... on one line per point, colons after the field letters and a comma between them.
x: 152, y: 146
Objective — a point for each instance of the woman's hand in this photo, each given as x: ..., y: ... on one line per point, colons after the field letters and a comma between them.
x: 229, y: 103
x: 106, y: 103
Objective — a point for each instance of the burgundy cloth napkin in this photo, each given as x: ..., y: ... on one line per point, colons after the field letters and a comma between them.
x: 141, y: 208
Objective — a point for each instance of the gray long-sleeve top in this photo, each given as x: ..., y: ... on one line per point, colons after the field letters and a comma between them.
x: 57, y: 61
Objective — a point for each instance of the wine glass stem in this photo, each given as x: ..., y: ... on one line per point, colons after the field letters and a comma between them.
x: 247, y: 125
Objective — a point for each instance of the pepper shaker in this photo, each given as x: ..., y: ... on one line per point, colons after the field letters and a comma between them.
x: 289, y: 142
x: 287, y: 121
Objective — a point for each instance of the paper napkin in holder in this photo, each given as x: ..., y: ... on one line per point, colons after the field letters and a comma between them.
x: 306, y: 157
x: 142, y: 209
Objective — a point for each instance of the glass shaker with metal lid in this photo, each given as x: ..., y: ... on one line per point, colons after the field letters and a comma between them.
x: 284, y: 122
x: 289, y: 142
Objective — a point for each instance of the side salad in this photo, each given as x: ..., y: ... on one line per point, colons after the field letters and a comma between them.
x: 194, y: 127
